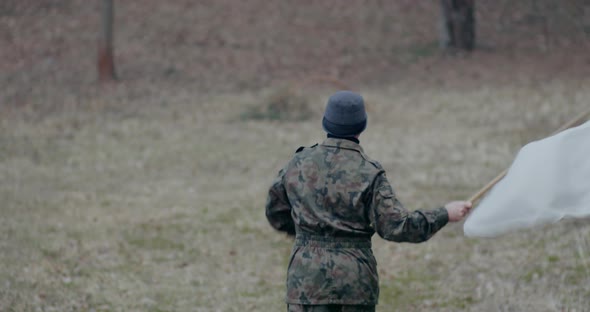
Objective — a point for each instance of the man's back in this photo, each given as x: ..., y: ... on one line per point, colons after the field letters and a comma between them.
x: 328, y: 187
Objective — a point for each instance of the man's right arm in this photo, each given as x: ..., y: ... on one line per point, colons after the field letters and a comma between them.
x: 278, y: 209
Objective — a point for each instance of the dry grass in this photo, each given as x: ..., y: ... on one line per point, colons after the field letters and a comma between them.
x: 161, y: 208
x: 148, y: 195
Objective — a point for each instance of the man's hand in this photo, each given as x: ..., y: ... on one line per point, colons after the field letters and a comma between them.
x: 458, y: 210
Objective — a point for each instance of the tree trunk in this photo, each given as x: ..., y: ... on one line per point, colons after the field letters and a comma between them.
x: 458, y: 24
x: 106, y: 63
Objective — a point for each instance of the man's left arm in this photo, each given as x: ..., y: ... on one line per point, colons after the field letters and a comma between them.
x: 394, y: 223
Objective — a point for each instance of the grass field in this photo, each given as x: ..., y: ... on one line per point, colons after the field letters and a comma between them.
x: 159, y: 206
x: 148, y: 194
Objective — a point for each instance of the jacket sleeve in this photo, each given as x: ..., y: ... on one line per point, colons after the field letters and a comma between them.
x: 278, y: 209
x: 394, y: 223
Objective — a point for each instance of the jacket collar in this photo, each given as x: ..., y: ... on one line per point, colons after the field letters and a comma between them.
x: 342, y: 143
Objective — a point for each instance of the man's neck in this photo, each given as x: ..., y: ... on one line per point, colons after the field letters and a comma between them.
x: 353, y: 139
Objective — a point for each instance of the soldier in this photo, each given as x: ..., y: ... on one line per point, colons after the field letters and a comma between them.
x: 333, y: 198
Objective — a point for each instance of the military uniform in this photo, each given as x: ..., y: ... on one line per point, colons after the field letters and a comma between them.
x: 333, y: 198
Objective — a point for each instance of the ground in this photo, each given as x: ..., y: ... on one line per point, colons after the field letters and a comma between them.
x: 148, y: 194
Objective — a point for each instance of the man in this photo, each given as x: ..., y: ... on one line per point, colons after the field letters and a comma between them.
x: 333, y: 198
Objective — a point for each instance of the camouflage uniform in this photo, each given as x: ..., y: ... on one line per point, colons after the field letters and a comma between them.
x: 330, y: 308
x: 334, y: 198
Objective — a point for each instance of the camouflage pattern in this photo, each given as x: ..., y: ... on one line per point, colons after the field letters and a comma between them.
x: 334, y: 198
x: 330, y: 308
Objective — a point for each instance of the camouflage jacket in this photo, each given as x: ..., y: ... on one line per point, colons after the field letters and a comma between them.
x: 334, y: 198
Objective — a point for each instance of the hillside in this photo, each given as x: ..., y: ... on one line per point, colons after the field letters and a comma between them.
x: 49, y: 47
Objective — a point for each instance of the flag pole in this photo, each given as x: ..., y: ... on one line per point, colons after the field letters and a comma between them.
x: 475, y: 197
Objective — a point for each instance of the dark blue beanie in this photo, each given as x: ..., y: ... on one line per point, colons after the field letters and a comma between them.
x: 345, y: 114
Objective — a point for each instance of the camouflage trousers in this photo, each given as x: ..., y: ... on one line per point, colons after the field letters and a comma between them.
x: 332, y: 271
x: 330, y: 308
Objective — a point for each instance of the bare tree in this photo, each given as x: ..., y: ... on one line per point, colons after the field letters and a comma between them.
x: 106, y: 63
x: 458, y: 24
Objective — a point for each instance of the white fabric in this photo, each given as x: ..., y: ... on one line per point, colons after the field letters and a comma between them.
x: 549, y: 180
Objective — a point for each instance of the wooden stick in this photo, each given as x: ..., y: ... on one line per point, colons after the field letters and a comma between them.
x: 488, y: 186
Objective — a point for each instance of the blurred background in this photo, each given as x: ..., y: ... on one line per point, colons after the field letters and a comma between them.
x: 138, y: 140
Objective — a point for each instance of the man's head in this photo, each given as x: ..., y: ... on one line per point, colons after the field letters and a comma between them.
x: 345, y: 114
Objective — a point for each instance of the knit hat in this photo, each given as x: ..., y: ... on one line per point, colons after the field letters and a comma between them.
x: 345, y: 114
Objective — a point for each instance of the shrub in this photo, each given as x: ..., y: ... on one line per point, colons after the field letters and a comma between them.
x: 283, y: 103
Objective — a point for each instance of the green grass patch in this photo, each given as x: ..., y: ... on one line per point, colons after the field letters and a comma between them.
x: 407, y: 289
x: 455, y: 303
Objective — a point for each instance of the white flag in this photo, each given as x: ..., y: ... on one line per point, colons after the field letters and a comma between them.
x: 549, y: 180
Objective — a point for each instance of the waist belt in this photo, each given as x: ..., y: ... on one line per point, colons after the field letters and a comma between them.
x: 332, y: 242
